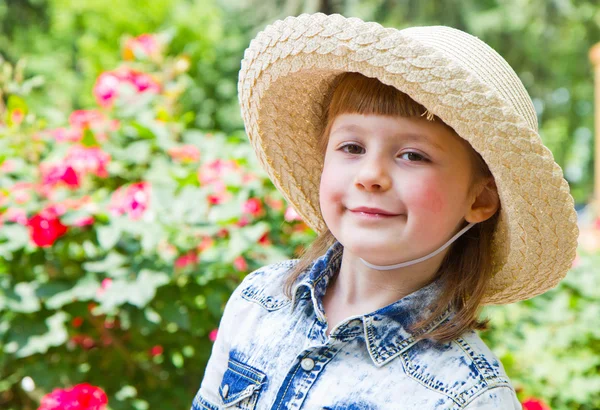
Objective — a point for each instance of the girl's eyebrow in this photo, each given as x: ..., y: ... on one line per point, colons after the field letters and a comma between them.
x: 406, y: 136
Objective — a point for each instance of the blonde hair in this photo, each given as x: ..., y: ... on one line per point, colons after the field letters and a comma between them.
x: 467, y: 268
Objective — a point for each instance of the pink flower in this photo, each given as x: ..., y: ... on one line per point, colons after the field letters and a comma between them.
x: 7, y: 166
x: 66, y: 134
x: 276, y: 204
x: 132, y: 200
x: 106, y: 88
x: 212, y: 336
x: 45, y: 228
x: 243, y: 221
x: 86, y: 118
x: 533, y: 403
x: 190, y: 258
x: 16, y: 215
x: 55, y: 174
x: 108, y: 84
x: 144, y: 46
x: 88, y: 160
x: 106, y: 283
x: 185, y: 153
x: 240, y: 264
x: 16, y: 116
x: 143, y: 82
x: 80, y: 397
x: 21, y: 191
x: 84, y: 221
x: 213, y: 171
x: 291, y: 215
x: 253, y: 206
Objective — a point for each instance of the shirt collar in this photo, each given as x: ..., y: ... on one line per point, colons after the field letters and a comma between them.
x: 386, y: 329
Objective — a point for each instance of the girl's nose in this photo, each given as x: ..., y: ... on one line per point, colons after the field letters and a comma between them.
x: 373, y: 175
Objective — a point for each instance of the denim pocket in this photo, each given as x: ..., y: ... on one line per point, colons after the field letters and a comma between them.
x: 241, y: 385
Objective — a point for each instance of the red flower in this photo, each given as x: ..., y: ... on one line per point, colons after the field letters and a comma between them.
x: 77, y: 321
x: 156, y: 350
x: 190, y: 258
x: 45, y: 228
x: 265, y: 240
x: 80, y: 397
x: 533, y: 403
x: 206, y: 243
x: 212, y: 336
x: 253, y: 206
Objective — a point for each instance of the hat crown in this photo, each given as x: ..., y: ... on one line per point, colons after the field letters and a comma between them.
x: 481, y: 60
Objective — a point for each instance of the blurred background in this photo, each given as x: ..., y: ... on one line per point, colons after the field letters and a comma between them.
x: 131, y: 204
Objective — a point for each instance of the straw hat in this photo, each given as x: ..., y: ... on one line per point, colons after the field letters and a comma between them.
x: 290, y: 66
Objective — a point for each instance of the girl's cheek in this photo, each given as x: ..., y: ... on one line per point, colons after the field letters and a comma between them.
x: 430, y: 199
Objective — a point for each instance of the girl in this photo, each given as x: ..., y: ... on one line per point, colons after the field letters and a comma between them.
x: 415, y: 156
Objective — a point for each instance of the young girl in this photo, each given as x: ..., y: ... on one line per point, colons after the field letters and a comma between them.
x: 415, y: 156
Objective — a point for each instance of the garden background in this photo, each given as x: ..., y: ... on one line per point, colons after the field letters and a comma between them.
x: 131, y: 204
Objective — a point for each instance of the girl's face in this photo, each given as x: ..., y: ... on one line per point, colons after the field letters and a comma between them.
x: 415, y: 170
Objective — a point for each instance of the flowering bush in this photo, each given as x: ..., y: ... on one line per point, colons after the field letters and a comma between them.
x: 124, y: 232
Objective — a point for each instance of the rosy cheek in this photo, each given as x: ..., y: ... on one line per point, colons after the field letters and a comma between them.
x: 430, y: 200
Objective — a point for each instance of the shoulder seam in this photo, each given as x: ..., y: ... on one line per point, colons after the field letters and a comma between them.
x: 487, y: 389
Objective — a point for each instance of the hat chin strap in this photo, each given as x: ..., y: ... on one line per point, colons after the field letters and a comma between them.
x: 431, y: 255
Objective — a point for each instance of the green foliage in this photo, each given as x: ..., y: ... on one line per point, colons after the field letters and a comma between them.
x: 123, y: 234
x: 550, y: 345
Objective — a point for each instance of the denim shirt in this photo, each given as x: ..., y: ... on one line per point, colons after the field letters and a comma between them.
x: 273, y: 353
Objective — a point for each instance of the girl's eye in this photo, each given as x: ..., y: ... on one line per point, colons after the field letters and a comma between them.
x: 352, y: 149
x: 414, y: 157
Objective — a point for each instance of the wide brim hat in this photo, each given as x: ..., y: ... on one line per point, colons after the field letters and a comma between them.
x: 290, y: 67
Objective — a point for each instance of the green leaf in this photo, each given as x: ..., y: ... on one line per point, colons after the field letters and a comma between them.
x: 85, y: 289
x: 138, y: 152
x: 108, y: 236
x: 17, y: 237
x: 55, y: 336
x: 109, y: 265
x: 138, y: 292
x: 23, y: 298
x: 89, y: 139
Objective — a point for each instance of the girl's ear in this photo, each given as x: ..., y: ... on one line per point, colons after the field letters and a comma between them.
x: 485, y: 201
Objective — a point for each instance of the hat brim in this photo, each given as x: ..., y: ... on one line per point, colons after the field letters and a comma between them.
x: 287, y: 73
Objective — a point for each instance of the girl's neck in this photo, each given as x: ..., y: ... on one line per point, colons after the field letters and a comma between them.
x: 361, y: 289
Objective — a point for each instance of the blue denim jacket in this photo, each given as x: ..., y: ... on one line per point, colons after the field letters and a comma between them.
x: 273, y: 353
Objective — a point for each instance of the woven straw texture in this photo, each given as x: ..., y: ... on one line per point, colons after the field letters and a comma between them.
x: 289, y: 68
